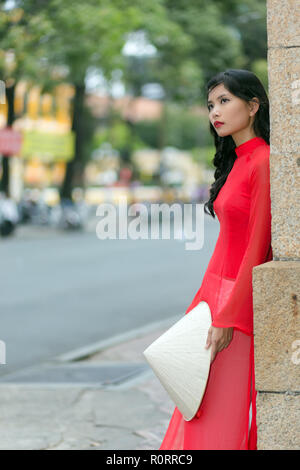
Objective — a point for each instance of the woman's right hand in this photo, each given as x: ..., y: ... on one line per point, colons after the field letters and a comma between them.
x: 218, y: 339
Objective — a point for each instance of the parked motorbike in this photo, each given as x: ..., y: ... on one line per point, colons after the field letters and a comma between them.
x: 67, y: 216
x: 9, y: 216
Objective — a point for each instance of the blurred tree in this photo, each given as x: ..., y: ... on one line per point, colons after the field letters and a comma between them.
x: 81, y: 36
x: 191, y: 42
x: 118, y: 135
x: 183, y: 130
x: 248, y: 19
x: 260, y: 68
x: 19, y: 59
x: 198, y: 45
x: 92, y: 34
x: 195, y: 45
x: 215, y: 45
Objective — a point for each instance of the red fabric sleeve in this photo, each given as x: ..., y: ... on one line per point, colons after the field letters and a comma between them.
x: 238, y: 310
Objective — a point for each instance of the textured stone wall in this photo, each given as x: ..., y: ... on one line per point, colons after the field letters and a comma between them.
x: 283, y: 22
x: 277, y: 353
x: 276, y: 285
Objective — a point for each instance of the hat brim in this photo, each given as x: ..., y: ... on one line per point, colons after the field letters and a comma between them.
x: 180, y: 360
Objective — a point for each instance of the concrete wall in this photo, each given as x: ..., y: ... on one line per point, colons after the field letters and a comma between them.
x: 276, y: 285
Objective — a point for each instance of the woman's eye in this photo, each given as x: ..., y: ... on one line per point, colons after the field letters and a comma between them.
x: 222, y: 99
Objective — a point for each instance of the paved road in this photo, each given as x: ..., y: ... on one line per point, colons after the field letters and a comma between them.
x: 65, y: 291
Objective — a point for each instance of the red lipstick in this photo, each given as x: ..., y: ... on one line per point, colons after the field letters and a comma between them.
x: 218, y: 123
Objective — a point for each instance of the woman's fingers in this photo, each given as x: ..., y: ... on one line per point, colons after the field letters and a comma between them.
x: 223, y: 345
x: 214, y: 350
x: 218, y: 339
x: 208, y: 340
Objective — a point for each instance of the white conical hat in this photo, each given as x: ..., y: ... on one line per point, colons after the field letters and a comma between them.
x: 181, y: 362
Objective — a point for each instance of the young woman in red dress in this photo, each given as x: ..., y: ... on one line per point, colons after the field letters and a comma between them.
x: 240, y: 197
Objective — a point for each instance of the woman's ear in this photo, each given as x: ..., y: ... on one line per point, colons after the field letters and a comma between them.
x: 254, y: 106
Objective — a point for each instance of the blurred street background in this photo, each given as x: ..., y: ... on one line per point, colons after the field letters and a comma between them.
x: 98, y: 100
x: 62, y: 292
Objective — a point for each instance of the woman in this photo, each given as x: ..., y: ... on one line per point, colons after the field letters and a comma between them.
x: 240, y: 197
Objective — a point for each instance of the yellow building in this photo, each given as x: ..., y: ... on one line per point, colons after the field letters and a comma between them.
x: 45, y: 122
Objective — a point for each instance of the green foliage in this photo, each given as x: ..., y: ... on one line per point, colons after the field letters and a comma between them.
x: 120, y: 136
x: 148, y: 132
x: 248, y: 19
x: 88, y: 128
x: 194, y: 40
x: 260, y: 68
x: 53, y: 41
x: 183, y: 130
x: 215, y: 46
x: 83, y: 35
x: 205, y: 155
x: 19, y: 35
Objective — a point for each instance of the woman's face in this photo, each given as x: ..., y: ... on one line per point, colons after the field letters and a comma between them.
x: 236, y: 114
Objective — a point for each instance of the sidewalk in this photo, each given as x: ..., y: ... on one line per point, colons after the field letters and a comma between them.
x: 131, y: 415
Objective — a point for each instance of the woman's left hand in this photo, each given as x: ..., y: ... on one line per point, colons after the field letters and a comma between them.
x: 218, y: 339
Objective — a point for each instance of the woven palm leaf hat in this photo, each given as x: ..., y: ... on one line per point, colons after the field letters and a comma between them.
x: 180, y: 360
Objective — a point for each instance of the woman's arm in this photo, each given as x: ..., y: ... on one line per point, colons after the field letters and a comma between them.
x: 238, y: 310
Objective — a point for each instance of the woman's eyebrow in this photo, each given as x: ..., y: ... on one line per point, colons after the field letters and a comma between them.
x: 224, y: 94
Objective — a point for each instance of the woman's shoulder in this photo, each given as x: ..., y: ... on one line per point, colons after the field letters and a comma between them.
x: 260, y: 161
x: 262, y: 151
x: 260, y: 155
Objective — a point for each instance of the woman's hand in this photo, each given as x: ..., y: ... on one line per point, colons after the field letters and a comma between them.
x: 218, y: 339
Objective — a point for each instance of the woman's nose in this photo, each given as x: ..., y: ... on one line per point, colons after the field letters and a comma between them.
x: 216, y: 113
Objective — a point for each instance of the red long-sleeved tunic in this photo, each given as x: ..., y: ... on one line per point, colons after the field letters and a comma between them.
x: 243, y: 208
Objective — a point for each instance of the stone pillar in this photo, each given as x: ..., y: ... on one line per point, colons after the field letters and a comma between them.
x: 276, y: 285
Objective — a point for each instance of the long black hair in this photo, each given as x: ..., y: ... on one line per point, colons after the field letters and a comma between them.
x: 245, y: 85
